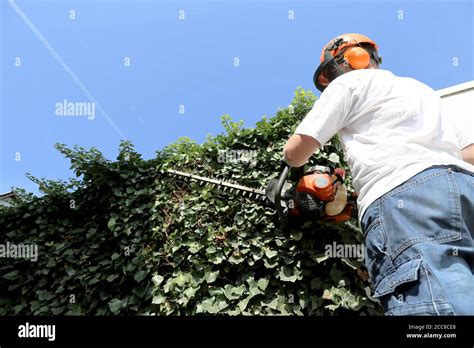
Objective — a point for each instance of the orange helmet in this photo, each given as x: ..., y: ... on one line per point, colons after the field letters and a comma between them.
x: 347, y: 49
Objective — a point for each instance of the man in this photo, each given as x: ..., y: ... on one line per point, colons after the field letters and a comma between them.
x: 416, y: 193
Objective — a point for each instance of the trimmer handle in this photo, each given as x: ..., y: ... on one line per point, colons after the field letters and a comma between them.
x: 277, y: 192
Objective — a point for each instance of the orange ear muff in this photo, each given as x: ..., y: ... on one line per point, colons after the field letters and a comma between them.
x: 357, y: 57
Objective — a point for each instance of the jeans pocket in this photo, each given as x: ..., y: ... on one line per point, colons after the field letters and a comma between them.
x: 404, y: 273
x: 410, y: 288
x: 375, y: 246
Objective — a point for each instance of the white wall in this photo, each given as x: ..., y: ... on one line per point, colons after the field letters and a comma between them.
x: 458, y: 102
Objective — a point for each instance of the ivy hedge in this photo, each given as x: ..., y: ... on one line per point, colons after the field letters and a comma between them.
x: 126, y: 238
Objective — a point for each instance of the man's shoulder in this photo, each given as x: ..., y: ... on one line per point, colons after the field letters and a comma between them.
x: 363, y: 78
x: 364, y: 75
x: 359, y: 80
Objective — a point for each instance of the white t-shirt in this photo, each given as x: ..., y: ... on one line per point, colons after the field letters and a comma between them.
x: 391, y: 127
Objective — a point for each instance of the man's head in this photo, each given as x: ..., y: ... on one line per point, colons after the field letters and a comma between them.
x: 345, y: 53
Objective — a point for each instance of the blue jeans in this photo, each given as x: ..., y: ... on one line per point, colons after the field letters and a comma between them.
x: 419, y: 248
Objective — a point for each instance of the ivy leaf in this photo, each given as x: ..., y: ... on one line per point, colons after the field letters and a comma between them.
x: 296, y: 235
x: 211, y: 277
x: 270, y: 264
x: 111, y: 223
x: 158, y: 299
x: 274, y: 303
x: 263, y: 283
x: 233, y: 292
x: 244, y: 303
x: 322, y: 258
x: 12, y: 275
x: 190, y: 292
x: 353, y: 264
x: 333, y: 157
x: 208, y: 306
x: 139, y: 276
x: 112, y: 277
x: 271, y: 253
x: 194, y: 247
x: 229, y: 293
x: 157, y: 279
x: 181, y: 279
x: 211, y: 249
x: 289, y: 274
x: 116, y: 305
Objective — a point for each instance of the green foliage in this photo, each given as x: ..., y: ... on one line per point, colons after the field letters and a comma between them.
x: 128, y: 238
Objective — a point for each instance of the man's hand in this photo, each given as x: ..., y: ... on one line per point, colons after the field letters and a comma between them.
x: 468, y: 154
x: 299, y: 148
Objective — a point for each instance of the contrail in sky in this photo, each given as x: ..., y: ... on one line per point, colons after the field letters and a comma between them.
x: 64, y: 65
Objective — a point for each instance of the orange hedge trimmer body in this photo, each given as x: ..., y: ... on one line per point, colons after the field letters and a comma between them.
x: 319, y: 194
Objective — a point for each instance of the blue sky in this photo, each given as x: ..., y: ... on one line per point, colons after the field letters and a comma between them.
x: 190, y: 62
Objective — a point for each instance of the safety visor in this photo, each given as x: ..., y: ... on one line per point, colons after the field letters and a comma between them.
x: 326, y: 72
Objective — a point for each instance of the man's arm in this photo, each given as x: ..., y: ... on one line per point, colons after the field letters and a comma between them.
x: 299, y: 148
x: 468, y: 154
x: 329, y: 114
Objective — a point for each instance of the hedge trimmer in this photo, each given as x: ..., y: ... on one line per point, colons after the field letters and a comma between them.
x: 319, y: 194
